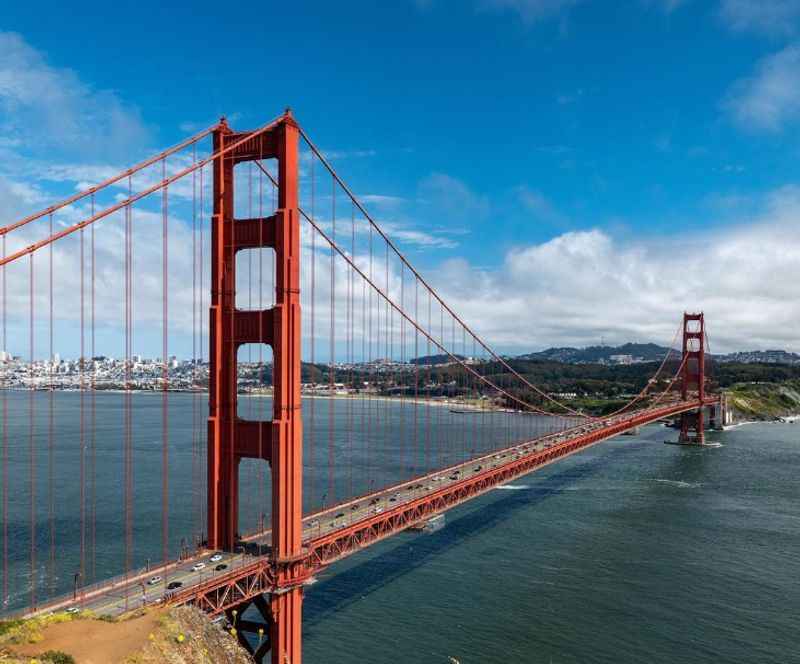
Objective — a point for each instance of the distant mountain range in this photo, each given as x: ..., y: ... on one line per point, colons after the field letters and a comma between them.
x: 631, y: 353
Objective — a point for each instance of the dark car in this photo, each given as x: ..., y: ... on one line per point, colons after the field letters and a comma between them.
x: 354, y: 507
x: 340, y: 515
x: 174, y: 585
x: 220, y: 567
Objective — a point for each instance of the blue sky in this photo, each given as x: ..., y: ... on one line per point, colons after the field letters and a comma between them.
x: 533, y: 148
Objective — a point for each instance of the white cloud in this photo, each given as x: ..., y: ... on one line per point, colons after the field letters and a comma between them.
x: 770, y: 98
x: 48, y: 107
x: 770, y: 17
x: 581, y: 286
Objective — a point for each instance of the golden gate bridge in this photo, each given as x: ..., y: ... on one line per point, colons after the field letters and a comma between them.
x: 276, y: 237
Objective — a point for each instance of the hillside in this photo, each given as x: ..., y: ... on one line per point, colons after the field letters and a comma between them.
x: 181, y: 635
x: 599, y: 354
x: 765, y: 401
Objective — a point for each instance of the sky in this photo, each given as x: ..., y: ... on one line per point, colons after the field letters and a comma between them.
x: 562, y: 171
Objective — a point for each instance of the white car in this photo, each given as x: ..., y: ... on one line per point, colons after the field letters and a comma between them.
x: 198, y: 566
x: 73, y: 610
x: 154, y: 580
x: 216, y: 558
x: 378, y: 510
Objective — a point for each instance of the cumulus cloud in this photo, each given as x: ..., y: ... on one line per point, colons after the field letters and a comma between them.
x: 770, y: 98
x: 770, y: 17
x: 581, y: 286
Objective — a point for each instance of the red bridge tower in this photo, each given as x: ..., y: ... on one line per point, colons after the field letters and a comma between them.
x: 280, y: 441
x: 693, y: 377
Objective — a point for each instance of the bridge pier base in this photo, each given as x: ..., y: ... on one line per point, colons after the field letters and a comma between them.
x: 692, y: 428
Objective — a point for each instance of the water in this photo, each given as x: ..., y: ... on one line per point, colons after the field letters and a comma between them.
x: 352, y: 447
x: 632, y: 551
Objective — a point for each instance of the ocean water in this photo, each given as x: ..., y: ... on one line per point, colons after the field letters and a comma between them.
x: 352, y: 447
x: 632, y: 551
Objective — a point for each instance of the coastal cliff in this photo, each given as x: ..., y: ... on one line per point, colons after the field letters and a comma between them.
x: 765, y: 401
x: 180, y: 635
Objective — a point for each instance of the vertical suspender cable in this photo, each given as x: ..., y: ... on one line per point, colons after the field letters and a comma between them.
x: 50, y: 433
x: 364, y: 402
x: 332, y: 369
x: 415, y: 469
x: 81, y: 369
x: 261, y: 477
x: 350, y: 343
x: 4, y: 598
x: 93, y: 407
x: 387, y: 356
x: 195, y: 396
x: 250, y: 495
x: 428, y: 391
x: 371, y: 386
x: 165, y: 367
x: 32, y: 446
x: 313, y: 376
x: 399, y: 381
x: 200, y: 473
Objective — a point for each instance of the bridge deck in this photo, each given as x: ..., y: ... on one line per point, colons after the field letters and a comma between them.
x: 348, y: 527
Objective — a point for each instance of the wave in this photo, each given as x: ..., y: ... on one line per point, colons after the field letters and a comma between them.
x: 679, y: 483
x: 513, y: 487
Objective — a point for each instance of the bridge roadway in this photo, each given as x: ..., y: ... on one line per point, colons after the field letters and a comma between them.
x: 342, y: 529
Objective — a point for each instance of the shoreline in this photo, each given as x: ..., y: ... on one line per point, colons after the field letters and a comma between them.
x: 783, y: 419
x: 460, y: 405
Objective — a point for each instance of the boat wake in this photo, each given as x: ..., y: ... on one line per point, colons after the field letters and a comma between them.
x: 680, y: 484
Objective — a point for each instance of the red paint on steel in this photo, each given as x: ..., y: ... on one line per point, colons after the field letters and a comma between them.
x: 242, y: 584
x: 693, y: 377
x: 231, y: 439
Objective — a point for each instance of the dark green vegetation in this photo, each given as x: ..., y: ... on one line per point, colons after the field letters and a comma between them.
x: 759, y: 401
x: 592, y: 388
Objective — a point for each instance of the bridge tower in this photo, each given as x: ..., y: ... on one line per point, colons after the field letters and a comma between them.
x: 279, y: 441
x: 693, y: 378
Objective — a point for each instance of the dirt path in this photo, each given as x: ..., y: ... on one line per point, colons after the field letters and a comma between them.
x: 95, y: 641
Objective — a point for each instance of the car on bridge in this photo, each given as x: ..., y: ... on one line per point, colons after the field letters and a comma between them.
x: 216, y: 558
x: 198, y: 566
x: 174, y: 585
x: 153, y: 580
